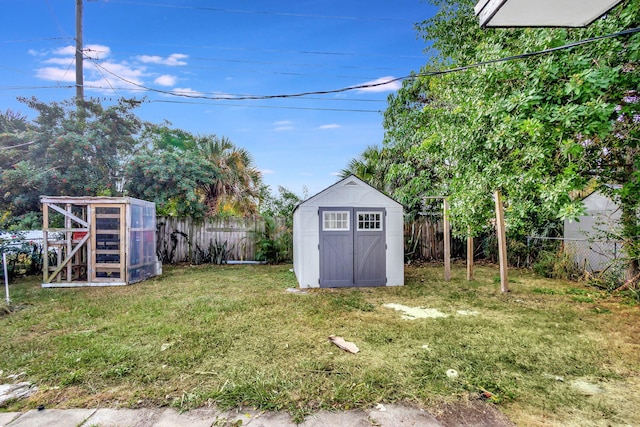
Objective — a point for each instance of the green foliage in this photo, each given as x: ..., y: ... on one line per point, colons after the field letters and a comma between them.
x: 236, y: 185
x: 89, y: 149
x: 274, y: 242
x: 171, y: 180
x: 217, y: 253
x: 282, y: 205
x: 558, y: 264
x: 24, y: 257
x: 538, y: 129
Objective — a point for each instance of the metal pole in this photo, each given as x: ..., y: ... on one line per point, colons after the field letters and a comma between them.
x: 6, y: 276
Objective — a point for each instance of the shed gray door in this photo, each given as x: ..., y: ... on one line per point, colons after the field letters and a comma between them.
x: 352, y: 247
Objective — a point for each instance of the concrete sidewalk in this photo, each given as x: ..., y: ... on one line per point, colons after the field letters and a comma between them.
x: 392, y: 416
x: 382, y: 416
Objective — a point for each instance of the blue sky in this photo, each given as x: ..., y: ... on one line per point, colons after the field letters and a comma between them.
x: 224, y: 49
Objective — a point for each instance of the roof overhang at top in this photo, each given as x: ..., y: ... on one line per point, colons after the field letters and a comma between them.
x: 541, y: 13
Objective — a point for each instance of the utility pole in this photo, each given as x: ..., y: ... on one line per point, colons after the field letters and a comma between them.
x: 79, y: 58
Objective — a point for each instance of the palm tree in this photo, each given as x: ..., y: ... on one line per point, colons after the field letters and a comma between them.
x: 236, y: 187
x: 370, y: 166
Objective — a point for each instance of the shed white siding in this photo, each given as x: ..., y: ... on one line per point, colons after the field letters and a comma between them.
x: 351, y: 192
x: 585, y: 239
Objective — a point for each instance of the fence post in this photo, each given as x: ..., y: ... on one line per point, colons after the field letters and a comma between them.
x: 6, y: 276
x: 447, y: 240
x: 502, y: 242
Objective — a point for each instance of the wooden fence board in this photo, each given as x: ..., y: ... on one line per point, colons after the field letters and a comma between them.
x: 183, y: 239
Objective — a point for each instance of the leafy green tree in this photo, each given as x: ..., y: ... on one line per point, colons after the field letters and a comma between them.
x: 236, y: 187
x: 61, y: 154
x: 536, y: 128
x: 198, y: 176
x: 274, y: 243
x: 171, y: 180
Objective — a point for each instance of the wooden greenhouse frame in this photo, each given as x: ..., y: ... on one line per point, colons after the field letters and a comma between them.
x: 98, y: 241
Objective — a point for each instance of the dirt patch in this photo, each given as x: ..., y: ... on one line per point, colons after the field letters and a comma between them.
x: 471, y: 413
x: 412, y: 313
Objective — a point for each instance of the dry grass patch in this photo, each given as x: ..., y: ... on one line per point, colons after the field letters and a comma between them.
x: 233, y: 336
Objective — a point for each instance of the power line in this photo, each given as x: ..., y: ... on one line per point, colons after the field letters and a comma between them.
x: 277, y: 107
x: 382, y: 83
x: 36, y: 40
x: 251, y: 49
x: 261, y: 12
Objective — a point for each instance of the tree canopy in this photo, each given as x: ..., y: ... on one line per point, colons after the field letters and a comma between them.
x: 538, y: 128
x: 88, y: 149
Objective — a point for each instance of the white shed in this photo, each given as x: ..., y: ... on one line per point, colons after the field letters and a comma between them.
x: 349, y: 234
x: 586, y: 239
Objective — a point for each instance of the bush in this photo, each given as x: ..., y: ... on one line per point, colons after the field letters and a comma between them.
x: 23, y: 258
x: 556, y: 264
x: 273, y: 243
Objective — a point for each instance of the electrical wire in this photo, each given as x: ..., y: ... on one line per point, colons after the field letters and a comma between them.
x: 382, y: 83
x: 260, y: 12
x: 277, y: 107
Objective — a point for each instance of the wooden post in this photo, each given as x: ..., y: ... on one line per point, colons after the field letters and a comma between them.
x: 45, y: 242
x: 502, y: 242
x: 68, y: 235
x: 469, y: 256
x: 447, y: 241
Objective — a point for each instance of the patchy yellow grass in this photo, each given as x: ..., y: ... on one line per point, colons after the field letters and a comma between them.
x: 234, y: 336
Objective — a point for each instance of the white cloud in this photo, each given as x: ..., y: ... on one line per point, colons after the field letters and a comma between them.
x: 107, y: 75
x: 335, y: 174
x: 165, y: 80
x: 172, y: 60
x: 65, y: 51
x: 186, y: 91
x: 34, y: 52
x: 381, y: 85
x: 102, y: 74
x: 267, y: 171
x: 56, y: 74
x: 96, y: 51
x: 283, y: 125
x: 330, y: 126
x: 68, y: 61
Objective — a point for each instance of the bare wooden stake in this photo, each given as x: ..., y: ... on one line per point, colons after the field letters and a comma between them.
x: 502, y: 242
x: 469, y: 256
x: 447, y: 241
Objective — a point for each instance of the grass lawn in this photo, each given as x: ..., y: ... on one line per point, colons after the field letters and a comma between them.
x: 549, y: 352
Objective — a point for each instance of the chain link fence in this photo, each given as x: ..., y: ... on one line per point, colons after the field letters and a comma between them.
x: 575, y: 256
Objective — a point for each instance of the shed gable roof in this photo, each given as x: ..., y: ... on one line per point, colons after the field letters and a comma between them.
x: 343, y: 187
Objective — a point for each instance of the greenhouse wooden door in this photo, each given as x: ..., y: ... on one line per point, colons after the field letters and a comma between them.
x: 107, y: 230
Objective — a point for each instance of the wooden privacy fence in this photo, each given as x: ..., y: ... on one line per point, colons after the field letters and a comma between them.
x: 186, y: 240
x: 424, y: 240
